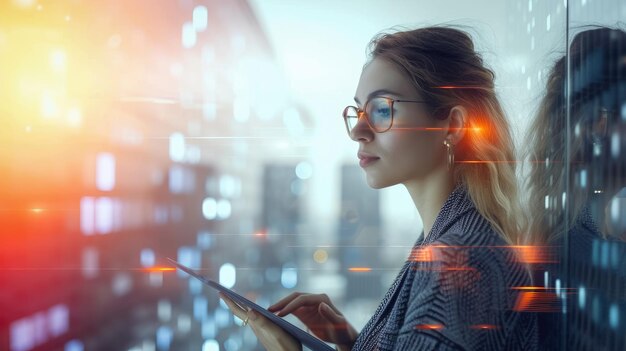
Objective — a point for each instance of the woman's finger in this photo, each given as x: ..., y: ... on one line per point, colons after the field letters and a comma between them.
x: 301, y: 301
x: 234, y: 307
x: 270, y: 335
x: 283, y: 302
x: 330, y: 314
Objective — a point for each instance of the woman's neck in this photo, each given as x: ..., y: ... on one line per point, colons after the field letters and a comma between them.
x: 429, y: 195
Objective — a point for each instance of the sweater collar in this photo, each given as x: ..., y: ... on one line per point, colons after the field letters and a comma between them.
x: 457, y: 204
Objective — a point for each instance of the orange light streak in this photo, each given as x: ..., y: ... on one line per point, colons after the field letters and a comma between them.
x: 422, y: 254
x: 429, y: 326
x: 533, y: 254
x: 160, y: 269
x: 359, y: 269
x: 261, y: 233
x: 483, y: 326
x: 528, y: 288
x: 537, y: 301
x: 433, y: 129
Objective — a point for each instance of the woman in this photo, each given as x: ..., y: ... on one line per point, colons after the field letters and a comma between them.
x: 427, y: 117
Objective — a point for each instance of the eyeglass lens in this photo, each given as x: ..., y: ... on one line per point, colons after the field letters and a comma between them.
x: 378, y: 111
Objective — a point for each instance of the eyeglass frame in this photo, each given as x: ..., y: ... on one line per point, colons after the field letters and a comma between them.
x: 361, y: 112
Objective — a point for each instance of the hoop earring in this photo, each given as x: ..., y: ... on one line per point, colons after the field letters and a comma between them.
x: 450, y: 148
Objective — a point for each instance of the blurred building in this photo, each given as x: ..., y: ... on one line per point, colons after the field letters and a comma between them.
x: 132, y: 132
x: 359, y: 236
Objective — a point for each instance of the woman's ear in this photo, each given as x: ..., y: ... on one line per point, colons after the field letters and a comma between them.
x: 458, y: 121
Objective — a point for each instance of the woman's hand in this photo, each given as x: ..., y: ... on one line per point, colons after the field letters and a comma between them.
x: 320, y: 316
x: 269, y: 334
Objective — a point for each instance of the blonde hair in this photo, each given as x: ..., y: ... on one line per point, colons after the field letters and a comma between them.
x: 442, y: 64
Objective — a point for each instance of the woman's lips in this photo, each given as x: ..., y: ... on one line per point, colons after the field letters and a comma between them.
x: 365, y: 159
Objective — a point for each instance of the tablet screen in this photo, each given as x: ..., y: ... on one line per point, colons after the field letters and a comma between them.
x: 305, y: 338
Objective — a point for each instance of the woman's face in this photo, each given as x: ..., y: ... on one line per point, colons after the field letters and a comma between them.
x: 413, y: 148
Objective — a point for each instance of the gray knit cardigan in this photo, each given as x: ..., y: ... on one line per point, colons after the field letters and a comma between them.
x: 454, y: 292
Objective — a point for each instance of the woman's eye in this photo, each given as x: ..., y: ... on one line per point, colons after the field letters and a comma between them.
x: 383, y: 111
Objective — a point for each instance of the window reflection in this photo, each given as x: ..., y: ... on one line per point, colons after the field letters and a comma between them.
x: 577, y: 166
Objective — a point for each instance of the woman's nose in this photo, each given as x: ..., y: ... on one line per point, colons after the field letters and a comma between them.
x: 362, y: 131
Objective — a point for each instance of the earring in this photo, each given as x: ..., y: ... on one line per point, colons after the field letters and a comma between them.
x: 450, y: 148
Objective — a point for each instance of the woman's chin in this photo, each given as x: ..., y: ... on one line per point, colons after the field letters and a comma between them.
x: 376, y: 183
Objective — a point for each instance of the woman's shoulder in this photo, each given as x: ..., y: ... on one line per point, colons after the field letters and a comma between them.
x: 473, y: 243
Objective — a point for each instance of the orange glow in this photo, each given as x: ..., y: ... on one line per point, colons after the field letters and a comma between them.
x: 432, y: 129
x: 261, y: 233
x: 483, y: 326
x: 429, y: 326
x: 458, y: 268
x: 160, y: 269
x: 528, y: 288
x: 537, y: 301
x: 359, y: 269
x: 533, y: 254
x: 36, y: 210
x: 422, y: 254
x: 426, y: 129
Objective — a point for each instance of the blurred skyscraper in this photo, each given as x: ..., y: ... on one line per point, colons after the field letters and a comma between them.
x: 359, y: 235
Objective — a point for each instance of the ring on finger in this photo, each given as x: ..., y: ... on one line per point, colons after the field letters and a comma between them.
x: 245, y: 321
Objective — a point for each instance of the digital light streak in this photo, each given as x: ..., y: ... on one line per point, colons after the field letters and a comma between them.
x: 483, y: 327
x: 533, y: 254
x: 436, y: 129
x: 537, y: 301
x: 149, y: 269
x: 433, y: 326
x: 160, y: 269
x: 538, y: 288
x: 423, y: 254
x: 261, y: 233
x: 359, y: 269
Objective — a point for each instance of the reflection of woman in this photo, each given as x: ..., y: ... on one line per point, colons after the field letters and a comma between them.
x: 428, y: 118
x: 593, y: 157
x: 578, y: 164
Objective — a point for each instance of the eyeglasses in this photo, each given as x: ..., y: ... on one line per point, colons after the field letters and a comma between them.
x: 378, y: 113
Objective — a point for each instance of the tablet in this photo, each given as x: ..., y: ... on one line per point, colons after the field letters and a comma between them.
x: 305, y: 338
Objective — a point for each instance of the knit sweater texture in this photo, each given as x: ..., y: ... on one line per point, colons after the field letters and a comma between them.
x: 454, y: 292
